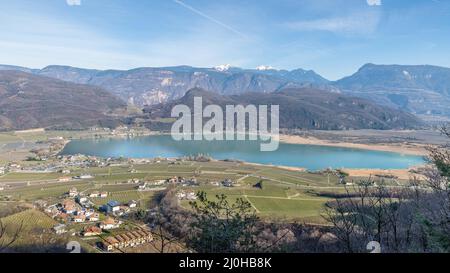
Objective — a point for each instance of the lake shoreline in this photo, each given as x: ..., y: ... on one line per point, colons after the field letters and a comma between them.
x: 400, y: 148
x: 299, y: 166
x: 406, y: 149
x: 404, y: 174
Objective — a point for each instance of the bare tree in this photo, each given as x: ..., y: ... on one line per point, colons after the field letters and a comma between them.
x: 376, y: 212
x: 408, y: 218
x: 164, y: 241
x: 343, y: 222
x: 436, y: 205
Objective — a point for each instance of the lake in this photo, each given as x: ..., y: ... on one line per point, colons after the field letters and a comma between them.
x: 294, y: 155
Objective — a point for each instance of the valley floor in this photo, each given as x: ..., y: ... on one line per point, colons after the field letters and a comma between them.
x: 287, y: 194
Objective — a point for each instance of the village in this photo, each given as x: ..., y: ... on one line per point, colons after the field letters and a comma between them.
x: 83, y: 214
x: 94, y: 199
x: 76, y: 209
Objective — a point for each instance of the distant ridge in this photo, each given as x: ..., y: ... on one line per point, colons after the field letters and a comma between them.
x: 304, y: 108
x: 419, y: 89
x: 148, y: 85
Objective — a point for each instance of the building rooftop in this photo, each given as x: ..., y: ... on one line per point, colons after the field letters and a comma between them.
x: 113, y: 203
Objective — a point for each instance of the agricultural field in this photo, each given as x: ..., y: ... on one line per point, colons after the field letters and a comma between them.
x: 122, y: 197
x: 40, y: 135
x: 28, y: 219
x: 284, y: 193
x: 274, y: 200
x: 299, y: 178
x: 46, y: 191
x: 34, y: 232
x: 283, y: 207
x: 29, y: 177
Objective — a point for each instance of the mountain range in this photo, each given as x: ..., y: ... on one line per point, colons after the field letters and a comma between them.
x: 423, y: 90
x: 303, y: 108
x: 147, y: 86
x: 420, y: 89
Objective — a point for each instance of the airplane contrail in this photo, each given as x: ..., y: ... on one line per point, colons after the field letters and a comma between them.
x: 179, y: 2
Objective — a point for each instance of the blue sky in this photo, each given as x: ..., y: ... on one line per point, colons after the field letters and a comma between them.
x: 332, y: 37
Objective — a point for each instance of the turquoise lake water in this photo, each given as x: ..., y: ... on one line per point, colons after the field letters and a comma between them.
x: 294, y: 155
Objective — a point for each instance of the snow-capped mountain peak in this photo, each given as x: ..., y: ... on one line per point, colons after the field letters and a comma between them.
x: 264, y: 67
x: 223, y: 67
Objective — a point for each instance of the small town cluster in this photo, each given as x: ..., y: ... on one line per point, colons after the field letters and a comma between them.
x: 77, y: 208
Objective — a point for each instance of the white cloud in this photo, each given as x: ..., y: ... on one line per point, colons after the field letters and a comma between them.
x: 362, y: 23
x: 374, y: 2
x: 73, y: 2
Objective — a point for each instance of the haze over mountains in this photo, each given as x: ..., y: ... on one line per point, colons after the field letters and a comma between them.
x: 422, y: 89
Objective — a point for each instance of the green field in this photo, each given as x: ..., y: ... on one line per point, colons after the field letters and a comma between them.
x: 29, y: 177
x: 285, y: 192
x: 273, y: 201
x: 121, y: 196
x: 287, y: 207
x: 36, y: 192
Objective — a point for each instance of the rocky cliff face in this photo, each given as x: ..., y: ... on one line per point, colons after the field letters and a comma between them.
x: 421, y: 89
x: 147, y: 86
